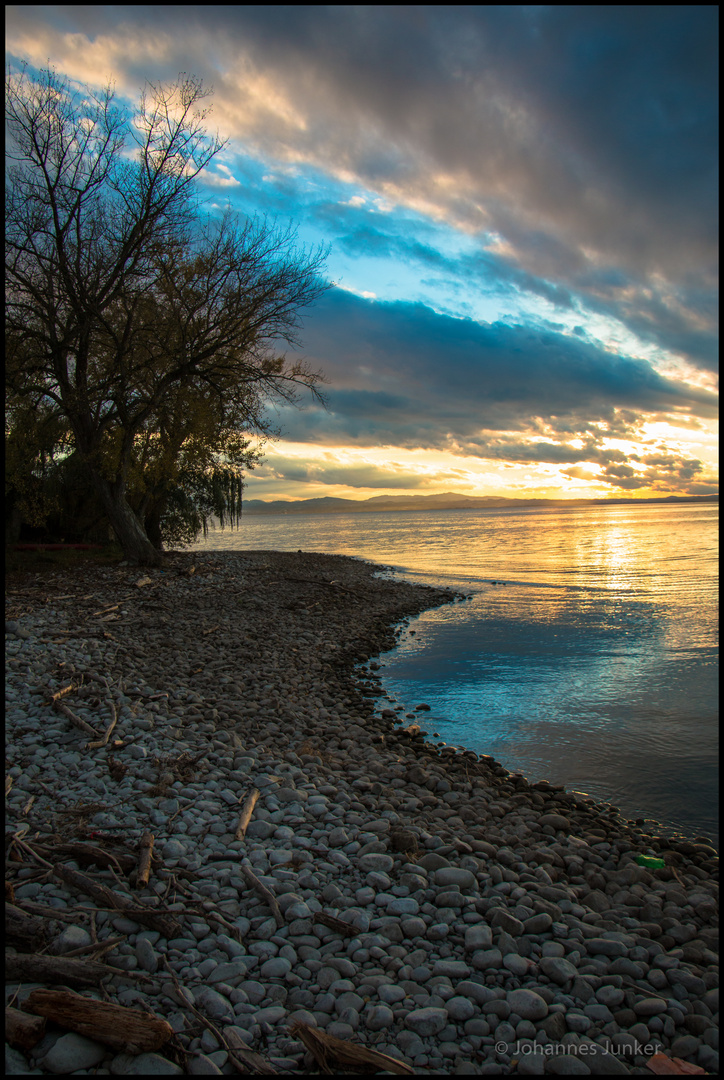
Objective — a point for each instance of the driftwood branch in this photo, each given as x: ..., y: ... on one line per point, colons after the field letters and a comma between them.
x: 331, y: 1053
x: 330, y: 584
x: 246, y: 811
x: 24, y: 967
x: 240, y: 1056
x: 108, y: 732
x: 23, y: 929
x: 263, y: 893
x: 128, y: 1030
x: 169, y: 927
x: 75, y: 720
x: 89, y: 854
x: 336, y: 924
x: 145, y: 851
x: 23, y: 1030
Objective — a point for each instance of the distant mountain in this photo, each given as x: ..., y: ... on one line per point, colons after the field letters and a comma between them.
x: 449, y: 500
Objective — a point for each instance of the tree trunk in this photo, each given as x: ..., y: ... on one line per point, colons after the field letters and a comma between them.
x: 129, y: 531
x: 153, y: 523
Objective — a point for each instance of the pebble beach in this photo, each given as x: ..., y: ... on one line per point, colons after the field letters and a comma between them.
x: 414, y: 900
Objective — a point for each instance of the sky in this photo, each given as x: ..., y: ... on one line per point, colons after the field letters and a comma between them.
x: 520, y: 204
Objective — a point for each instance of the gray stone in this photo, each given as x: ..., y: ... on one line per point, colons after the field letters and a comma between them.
x: 15, y: 1063
x: 507, y: 922
x: 432, y: 861
x: 146, y: 956
x: 556, y: 821
x: 651, y: 1006
x: 486, y: 958
x: 685, y: 1046
x: 173, y: 849
x: 600, y: 1061
x: 72, y: 1052
x: 478, y: 937
x: 426, y: 1022
x: 460, y: 1009
x: 454, y: 969
x: 527, y: 1004
x: 557, y: 969
x: 605, y: 947
x: 217, y: 1006
x: 72, y: 937
x: 376, y: 861
x: 377, y: 1017
x: 538, y: 924
x: 404, y: 905
x: 567, y: 1065
x: 201, y: 1065
x: 516, y: 965
x: 453, y: 875
x: 481, y: 994
x: 609, y: 995
x: 276, y: 968
x: 152, y: 1065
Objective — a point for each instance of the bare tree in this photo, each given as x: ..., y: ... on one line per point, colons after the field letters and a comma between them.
x: 116, y: 298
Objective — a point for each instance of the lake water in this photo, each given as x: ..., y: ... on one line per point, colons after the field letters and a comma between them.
x: 588, y: 654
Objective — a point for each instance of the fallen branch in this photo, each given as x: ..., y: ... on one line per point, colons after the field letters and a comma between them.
x: 241, y: 1058
x: 23, y: 929
x: 336, y: 924
x: 97, y: 948
x: 104, y: 741
x: 89, y: 854
x: 263, y: 893
x: 324, y: 1047
x: 61, y: 693
x: 128, y: 1030
x: 75, y: 720
x: 24, y: 967
x: 246, y: 811
x: 330, y: 584
x: 168, y: 927
x: 145, y: 851
x: 23, y: 1030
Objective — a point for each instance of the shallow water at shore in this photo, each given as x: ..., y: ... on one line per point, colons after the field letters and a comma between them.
x: 588, y: 654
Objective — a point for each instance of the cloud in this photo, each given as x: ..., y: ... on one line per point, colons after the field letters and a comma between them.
x: 584, y: 137
x: 402, y: 374
x: 333, y: 472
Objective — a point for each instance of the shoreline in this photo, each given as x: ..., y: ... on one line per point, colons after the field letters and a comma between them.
x: 465, y: 886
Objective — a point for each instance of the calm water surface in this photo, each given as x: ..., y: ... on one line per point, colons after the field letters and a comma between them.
x: 588, y: 654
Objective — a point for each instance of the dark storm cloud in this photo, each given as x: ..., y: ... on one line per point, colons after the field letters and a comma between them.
x: 584, y: 136
x: 402, y: 374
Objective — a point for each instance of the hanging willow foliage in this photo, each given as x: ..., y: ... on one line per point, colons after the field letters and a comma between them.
x: 226, y: 496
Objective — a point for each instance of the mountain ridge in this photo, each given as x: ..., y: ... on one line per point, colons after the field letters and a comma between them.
x: 448, y: 500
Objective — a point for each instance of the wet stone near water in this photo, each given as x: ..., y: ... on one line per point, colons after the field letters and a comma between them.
x: 429, y: 906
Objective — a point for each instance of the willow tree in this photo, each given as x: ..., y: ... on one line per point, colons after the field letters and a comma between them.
x: 116, y: 298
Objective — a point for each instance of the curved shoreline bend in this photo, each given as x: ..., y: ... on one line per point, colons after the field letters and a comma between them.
x: 491, y: 925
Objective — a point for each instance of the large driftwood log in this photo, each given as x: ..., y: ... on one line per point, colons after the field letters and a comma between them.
x: 23, y: 1030
x: 23, y: 929
x: 128, y: 1030
x: 23, y: 967
x: 330, y: 1052
x: 246, y: 811
x: 263, y: 893
x: 169, y: 927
